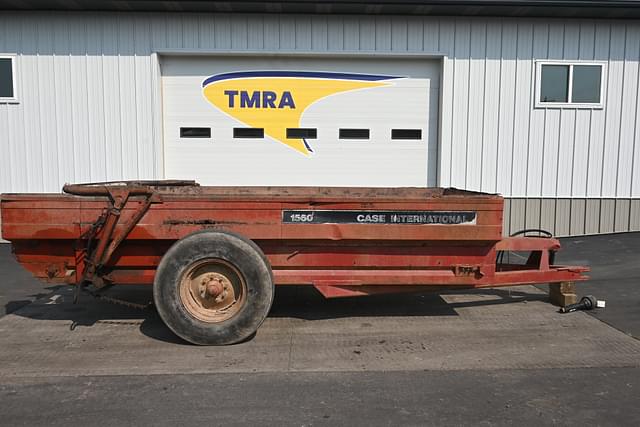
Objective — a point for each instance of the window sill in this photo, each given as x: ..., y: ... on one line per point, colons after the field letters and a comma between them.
x: 568, y: 106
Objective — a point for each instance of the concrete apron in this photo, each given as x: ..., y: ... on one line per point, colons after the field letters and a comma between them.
x: 513, y: 328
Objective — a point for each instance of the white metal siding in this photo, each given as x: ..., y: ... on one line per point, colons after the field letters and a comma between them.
x: 88, y: 107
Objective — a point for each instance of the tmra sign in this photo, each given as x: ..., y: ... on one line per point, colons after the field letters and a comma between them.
x: 276, y: 100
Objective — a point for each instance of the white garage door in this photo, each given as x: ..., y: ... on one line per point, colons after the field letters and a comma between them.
x: 300, y: 121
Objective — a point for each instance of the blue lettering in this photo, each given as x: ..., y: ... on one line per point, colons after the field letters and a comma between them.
x: 253, y: 99
x: 231, y: 94
x: 269, y: 99
x: 249, y: 102
x: 286, y: 100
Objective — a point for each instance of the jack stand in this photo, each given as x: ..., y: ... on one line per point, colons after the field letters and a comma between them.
x: 563, y: 294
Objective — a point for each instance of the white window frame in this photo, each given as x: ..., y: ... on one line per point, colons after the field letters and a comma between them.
x: 571, y: 64
x: 14, y: 98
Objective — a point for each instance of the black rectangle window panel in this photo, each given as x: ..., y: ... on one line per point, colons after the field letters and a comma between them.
x: 6, y: 78
x: 306, y: 133
x: 554, y: 83
x: 406, y: 133
x: 248, y: 132
x: 354, y: 134
x: 586, y: 84
x: 195, y: 132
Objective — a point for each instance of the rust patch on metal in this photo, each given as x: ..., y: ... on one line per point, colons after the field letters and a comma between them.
x: 200, y: 222
x: 52, y: 271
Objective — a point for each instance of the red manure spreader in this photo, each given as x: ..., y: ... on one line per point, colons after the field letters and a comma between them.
x: 214, y: 254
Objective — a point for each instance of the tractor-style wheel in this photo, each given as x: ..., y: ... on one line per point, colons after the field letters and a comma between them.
x: 213, y: 288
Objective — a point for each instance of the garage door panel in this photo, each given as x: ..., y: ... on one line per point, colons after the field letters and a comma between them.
x: 407, y: 102
x: 249, y: 170
x: 186, y: 67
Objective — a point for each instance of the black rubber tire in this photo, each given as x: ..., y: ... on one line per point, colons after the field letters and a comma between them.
x: 245, y: 256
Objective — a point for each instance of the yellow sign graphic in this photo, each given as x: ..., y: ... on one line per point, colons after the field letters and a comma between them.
x: 276, y: 100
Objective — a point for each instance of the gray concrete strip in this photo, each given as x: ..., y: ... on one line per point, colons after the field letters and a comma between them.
x: 498, y: 329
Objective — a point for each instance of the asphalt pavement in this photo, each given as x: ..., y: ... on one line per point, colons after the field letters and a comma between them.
x: 492, y: 357
x: 537, y: 397
x: 17, y: 287
x: 615, y: 275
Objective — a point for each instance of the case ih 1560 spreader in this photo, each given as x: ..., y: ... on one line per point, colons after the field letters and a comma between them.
x: 214, y: 254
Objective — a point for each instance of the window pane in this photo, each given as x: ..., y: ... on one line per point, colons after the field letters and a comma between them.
x: 6, y: 78
x: 306, y: 133
x: 354, y: 134
x: 586, y: 83
x: 248, y: 132
x: 195, y: 132
x: 406, y: 133
x: 554, y: 83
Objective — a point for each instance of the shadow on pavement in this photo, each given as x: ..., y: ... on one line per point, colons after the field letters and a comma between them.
x: 18, y: 287
x: 298, y: 302
x: 304, y: 302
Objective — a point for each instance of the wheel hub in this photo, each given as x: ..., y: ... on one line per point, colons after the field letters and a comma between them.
x: 214, y: 286
x: 212, y: 290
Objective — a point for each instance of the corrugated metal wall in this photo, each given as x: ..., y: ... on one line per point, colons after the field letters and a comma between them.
x: 87, y: 109
x: 494, y: 140
x: 85, y: 92
x: 572, y: 217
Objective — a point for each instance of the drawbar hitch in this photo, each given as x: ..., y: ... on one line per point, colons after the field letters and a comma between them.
x: 104, y: 230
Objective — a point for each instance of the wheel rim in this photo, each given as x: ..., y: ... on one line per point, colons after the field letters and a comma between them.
x: 212, y: 290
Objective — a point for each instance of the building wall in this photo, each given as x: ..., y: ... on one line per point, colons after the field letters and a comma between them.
x: 89, y: 107
x: 572, y: 217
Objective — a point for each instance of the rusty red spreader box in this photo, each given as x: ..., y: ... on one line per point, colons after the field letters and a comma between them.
x: 214, y: 254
